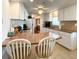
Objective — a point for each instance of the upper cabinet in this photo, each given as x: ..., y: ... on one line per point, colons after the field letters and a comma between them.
x: 60, y: 14
x: 18, y: 11
x: 68, y: 13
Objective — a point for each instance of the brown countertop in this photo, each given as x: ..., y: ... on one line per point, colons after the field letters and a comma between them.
x: 63, y: 30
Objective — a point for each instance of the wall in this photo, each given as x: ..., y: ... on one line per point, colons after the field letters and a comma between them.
x: 5, y: 19
x: 46, y: 17
x: 41, y: 22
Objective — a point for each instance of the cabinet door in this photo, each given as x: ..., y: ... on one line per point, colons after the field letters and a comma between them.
x: 70, y: 13
x: 17, y: 11
x: 60, y: 14
x: 21, y: 12
x: 14, y: 10
x: 65, y: 40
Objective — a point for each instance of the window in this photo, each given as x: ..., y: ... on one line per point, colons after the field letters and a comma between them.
x: 54, y: 18
x: 55, y: 21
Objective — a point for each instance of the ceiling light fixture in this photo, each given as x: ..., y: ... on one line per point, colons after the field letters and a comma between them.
x: 40, y: 11
x: 31, y: 0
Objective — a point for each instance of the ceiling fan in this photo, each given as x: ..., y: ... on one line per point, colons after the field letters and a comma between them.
x: 40, y: 9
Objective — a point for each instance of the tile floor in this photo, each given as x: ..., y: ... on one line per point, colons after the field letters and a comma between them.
x: 62, y: 53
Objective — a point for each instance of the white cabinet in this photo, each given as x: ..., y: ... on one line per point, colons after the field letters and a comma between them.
x: 14, y: 10
x: 60, y: 14
x: 17, y: 11
x: 21, y: 11
x: 26, y: 14
x: 68, y: 13
x: 65, y: 40
x: 68, y: 40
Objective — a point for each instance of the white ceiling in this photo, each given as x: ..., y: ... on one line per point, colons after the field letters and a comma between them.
x: 51, y: 5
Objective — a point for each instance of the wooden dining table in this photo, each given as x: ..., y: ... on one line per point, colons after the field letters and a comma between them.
x: 34, y: 38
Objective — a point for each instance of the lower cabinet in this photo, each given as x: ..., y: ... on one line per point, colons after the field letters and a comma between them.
x: 68, y: 40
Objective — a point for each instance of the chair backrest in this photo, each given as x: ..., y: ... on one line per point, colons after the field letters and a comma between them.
x: 45, y: 47
x: 19, y: 48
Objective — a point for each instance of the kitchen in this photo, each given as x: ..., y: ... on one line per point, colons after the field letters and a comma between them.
x: 58, y: 18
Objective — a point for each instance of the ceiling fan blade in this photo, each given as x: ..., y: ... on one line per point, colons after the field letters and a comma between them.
x: 45, y: 8
x: 35, y: 8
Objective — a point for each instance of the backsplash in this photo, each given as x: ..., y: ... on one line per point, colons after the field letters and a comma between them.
x: 69, y: 25
x: 66, y: 26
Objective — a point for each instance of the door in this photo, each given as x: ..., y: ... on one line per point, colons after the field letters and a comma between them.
x: 37, y: 21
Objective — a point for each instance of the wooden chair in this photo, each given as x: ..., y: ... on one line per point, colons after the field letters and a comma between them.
x: 19, y: 49
x: 45, y: 47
